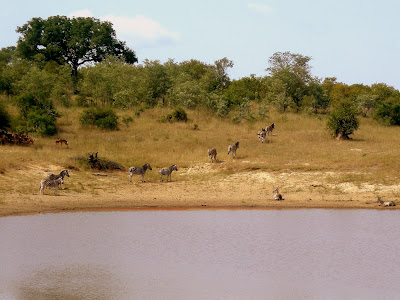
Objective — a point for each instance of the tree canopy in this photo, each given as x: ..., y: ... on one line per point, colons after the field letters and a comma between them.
x: 73, y: 41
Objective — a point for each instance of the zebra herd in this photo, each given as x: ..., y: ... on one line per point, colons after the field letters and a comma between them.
x: 56, y: 181
x: 142, y: 171
x: 53, y: 181
x: 262, y: 134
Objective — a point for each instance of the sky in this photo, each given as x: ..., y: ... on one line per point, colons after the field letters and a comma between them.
x: 353, y: 40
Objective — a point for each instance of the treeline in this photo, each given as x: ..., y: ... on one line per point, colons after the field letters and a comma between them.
x: 34, y: 83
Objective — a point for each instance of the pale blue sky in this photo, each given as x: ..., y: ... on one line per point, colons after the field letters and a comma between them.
x: 353, y: 40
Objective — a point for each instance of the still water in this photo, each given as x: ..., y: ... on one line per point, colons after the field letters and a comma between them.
x: 204, y: 254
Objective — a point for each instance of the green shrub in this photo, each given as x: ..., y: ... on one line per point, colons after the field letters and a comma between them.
x: 342, y: 121
x: 180, y: 115
x: 388, y: 112
x: 41, y: 123
x: 101, y: 117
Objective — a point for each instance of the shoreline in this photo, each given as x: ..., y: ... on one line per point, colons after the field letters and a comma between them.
x: 84, y: 191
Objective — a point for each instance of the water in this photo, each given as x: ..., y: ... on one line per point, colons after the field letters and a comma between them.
x: 204, y: 254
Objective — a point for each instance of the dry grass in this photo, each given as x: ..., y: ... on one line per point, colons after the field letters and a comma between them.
x: 299, y: 154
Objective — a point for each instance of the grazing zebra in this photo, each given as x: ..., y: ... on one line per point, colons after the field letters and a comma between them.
x: 212, y: 155
x: 277, y: 195
x: 167, y: 172
x: 62, y: 174
x: 262, y: 135
x: 139, y: 171
x: 385, y: 203
x: 49, y: 183
x: 269, y: 128
x: 233, y: 148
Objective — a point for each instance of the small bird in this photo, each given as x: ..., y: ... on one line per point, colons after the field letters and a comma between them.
x: 277, y: 195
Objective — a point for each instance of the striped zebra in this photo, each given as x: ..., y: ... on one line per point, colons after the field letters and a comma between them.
x: 277, y: 195
x: 385, y: 203
x: 50, y: 183
x: 262, y: 135
x: 233, y: 148
x: 269, y: 128
x: 212, y: 155
x: 167, y: 172
x: 139, y: 171
x: 62, y: 174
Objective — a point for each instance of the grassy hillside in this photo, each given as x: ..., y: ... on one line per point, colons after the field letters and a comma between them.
x: 299, y: 145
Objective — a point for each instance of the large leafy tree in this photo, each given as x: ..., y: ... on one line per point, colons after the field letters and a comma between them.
x: 73, y: 41
x: 294, y: 71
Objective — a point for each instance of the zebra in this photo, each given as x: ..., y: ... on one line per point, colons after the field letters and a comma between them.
x: 167, y: 172
x: 212, y: 155
x: 138, y: 171
x: 269, y: 128
x: 48, y: 183
x: 233, y: 148
x: 62, y: 174
x: 277, y: 195
x: 385, y: 203
x: 262, y: 135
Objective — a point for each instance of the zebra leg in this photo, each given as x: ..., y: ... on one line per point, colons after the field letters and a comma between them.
x: 142, y: 177
x: 130, y: 177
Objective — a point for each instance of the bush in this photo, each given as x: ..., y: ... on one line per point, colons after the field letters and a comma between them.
x: 180, y: 115
x: 104, y: 118
x: 388, y: 112
x: 342, y: 121
x: 41, y: 123
x: 5, y: 119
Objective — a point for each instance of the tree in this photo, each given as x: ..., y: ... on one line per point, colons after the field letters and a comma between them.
x: 73, y: 41
x: 342, y: 121
x: 294, y: 71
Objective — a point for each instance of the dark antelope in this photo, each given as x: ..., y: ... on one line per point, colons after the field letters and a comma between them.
x: 385, y: 203
x: 139, y: 171
x: 61, y: 141
x: 212, y: 155
x: 167, y: 172
x: 233, y: 149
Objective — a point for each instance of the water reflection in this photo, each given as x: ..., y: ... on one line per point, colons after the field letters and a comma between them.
x: 265, y: 254
x: 73, y: 282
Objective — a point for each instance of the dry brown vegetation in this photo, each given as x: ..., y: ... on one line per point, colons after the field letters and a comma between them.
x: 309, y: 168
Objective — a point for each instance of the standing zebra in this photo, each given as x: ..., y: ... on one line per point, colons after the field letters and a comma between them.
x: 138, y: 171
x: 49, y: 183
x: 167, y: 172
x: 269, y: 128
x: 212, y: 155
x: 62, y: 174
x: 233, y: 148
x: 262, y: 135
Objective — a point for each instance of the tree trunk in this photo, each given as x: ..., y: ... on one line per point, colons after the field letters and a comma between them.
x: 341, y: 136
